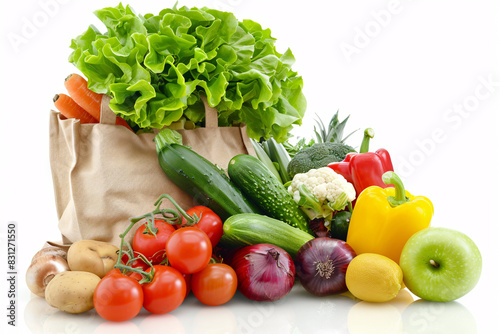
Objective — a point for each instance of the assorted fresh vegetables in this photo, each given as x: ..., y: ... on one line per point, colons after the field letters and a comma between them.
x: 304, y: 211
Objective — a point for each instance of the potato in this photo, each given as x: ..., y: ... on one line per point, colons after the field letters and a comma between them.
x: 72, y: 291
x: 93, y: 256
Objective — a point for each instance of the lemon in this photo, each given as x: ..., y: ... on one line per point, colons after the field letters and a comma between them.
x: 374, y: 277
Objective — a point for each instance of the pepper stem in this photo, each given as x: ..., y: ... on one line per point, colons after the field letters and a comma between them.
x: 365, y: 144
x: 400, y: 195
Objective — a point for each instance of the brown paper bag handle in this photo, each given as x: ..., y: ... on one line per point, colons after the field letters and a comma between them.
x: 107, y: 115
x: 211, y: 119
x: 211, y: 114
x: 246, y: 140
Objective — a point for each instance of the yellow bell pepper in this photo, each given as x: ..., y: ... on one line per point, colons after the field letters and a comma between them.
x: 383, y: 219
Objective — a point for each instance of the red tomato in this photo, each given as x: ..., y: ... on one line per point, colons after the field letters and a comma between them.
x: 149, y: 245
x: 209, y: 222
x: 214, y: 285
x: 188, y: 250
x: 165, y: 292
x: 118, y: 297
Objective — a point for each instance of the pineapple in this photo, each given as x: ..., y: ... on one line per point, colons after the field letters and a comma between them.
x: 335, y: 130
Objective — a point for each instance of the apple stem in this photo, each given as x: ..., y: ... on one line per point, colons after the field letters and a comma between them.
x: 434, y: 263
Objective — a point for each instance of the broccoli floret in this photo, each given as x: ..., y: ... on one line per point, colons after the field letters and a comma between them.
x: 317, y: 156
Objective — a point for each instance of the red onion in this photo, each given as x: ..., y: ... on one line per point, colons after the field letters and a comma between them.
x: 321, y: 265
x: 265, y: 272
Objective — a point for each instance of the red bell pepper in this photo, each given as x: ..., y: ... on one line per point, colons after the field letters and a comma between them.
x: 364, y: 169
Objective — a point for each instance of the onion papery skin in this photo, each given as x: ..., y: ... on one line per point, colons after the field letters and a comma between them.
x: 265, y: 272
x: 321, y: 264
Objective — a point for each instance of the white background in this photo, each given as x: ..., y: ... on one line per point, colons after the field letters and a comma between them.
x: 413, y: 66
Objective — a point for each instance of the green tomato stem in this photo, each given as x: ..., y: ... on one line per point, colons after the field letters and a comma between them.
x: 190, y: 220
x: 150, y: 227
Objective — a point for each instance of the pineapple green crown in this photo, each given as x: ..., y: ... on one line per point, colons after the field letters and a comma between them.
x: 334, y: 132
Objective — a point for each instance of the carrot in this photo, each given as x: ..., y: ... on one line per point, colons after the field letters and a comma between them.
x: 121, y: 121
x: 70, y: 109
x: 87, y: 99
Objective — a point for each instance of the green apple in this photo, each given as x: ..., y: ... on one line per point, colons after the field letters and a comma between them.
x: 440, y: 264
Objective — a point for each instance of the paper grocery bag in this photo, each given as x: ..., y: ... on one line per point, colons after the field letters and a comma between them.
x: 104, y: 174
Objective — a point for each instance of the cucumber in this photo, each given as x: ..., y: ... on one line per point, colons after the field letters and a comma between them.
x: 207, y: 183
x: 251, y: 229
x: 262, y: 187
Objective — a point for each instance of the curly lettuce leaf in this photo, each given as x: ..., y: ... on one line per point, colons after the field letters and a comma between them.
x: 156, y: 67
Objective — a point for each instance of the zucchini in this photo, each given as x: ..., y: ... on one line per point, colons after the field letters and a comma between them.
x: 251, y: 229
x: 207, y: 183
x: 260, y: 186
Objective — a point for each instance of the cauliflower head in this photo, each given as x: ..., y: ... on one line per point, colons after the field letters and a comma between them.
x: 324, y: 183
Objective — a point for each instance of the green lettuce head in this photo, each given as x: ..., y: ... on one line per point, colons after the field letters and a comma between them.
x: 155, y: 67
